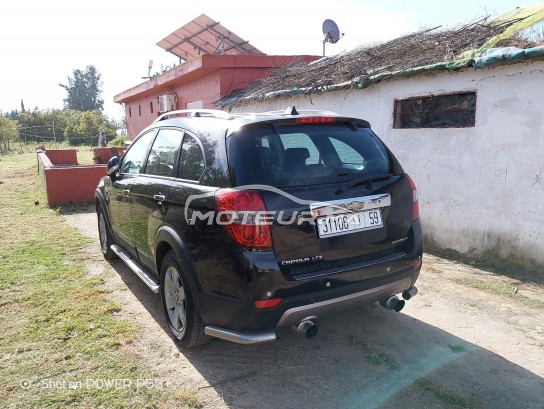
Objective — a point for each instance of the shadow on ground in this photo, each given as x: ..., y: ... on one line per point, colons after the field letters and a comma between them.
x: 365, y: 357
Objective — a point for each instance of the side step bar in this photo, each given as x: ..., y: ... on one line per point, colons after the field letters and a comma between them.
x: 244, y: 338
x: 133, y: 264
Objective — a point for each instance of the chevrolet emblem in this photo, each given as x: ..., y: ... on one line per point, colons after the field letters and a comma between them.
x: 355, y: 206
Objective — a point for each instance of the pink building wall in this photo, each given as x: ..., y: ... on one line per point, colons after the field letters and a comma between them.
x: 206, y: 78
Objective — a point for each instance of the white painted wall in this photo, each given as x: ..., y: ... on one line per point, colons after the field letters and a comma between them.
x: 480, y: 188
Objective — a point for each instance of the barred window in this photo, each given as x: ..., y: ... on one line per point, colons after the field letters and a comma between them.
x: 438, y: 111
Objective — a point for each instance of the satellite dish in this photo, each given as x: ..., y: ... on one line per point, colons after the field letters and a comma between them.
x: 149, y: 66
x: 331, y: 33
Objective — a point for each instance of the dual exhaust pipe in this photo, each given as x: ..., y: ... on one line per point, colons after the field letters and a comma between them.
x: 394, y: 303
x: 309, y: 328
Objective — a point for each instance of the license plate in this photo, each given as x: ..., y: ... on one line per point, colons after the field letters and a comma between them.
x: 345, y: 223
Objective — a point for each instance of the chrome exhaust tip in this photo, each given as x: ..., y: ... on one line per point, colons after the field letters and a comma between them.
x: 410, y: 293
x: 307, y: 328
x: 393, y: 303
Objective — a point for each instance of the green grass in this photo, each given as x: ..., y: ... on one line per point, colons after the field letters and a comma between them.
x: 373, y: 354
x: 445, y: 396
x: 58, y: 328
x: 500, y: 289
x: 457, y: 348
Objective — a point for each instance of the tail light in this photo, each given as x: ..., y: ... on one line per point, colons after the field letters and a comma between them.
x: 242, y: 214
x: 415, y: 202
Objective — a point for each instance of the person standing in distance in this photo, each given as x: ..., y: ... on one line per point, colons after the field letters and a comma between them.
x: 102, y: 139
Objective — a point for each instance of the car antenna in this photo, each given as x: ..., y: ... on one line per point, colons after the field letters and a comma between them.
x: 291, y: 111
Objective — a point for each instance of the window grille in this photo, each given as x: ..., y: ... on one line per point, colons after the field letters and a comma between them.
x: 438, y: 111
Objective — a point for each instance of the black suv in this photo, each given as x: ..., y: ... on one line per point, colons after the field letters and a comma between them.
x: 246, y: 223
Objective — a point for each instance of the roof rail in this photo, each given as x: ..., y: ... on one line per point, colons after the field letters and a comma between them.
x: 214, y: 113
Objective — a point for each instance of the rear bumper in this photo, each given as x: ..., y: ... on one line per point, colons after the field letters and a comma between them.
x: 300, y: 299
x: 235, y: 318
x: 295, y: 315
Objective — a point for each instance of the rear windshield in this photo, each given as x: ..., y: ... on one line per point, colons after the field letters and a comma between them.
x: 292, y: 155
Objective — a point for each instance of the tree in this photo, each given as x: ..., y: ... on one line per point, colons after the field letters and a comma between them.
x: 82, y: 128
x: 41, y: 126
x: 79, y: 127
x: 84, y: 90
x: 8, y: 131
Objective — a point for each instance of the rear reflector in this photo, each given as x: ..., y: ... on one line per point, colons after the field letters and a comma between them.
x: 271, y: 303
x: 316, y: 120
x: 415, y: 201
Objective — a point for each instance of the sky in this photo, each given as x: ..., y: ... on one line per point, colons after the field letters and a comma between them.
x: 43, y: 42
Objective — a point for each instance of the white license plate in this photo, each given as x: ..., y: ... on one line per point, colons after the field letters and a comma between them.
x: 345, y: 223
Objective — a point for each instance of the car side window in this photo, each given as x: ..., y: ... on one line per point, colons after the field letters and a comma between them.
x: 191, y: 165
x: 164, y: 152
x: 134, y: 159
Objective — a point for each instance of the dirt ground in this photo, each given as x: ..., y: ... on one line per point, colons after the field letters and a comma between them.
x: 469, y: 339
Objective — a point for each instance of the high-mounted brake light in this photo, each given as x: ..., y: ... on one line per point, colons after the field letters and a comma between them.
x: 241, y: 214
x: 316, y: 120
x: 415, y: 201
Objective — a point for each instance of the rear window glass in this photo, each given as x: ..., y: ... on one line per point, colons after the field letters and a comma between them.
x: 309, y: 154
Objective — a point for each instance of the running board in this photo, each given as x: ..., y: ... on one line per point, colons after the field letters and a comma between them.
x: 133, y: 264
x: 245, y: 338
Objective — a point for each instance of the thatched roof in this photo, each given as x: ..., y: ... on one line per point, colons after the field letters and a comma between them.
x: 425, y: 50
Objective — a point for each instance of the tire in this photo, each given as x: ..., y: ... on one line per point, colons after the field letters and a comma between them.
x: 180, y: 312
x: 104, y: 235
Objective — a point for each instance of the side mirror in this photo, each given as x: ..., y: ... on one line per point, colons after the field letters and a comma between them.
x: 113, y: 167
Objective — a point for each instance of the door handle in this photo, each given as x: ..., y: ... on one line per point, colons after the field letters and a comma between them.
x: 159, y: 198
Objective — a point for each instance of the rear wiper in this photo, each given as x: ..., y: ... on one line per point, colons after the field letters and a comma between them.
x: 363, y: 181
